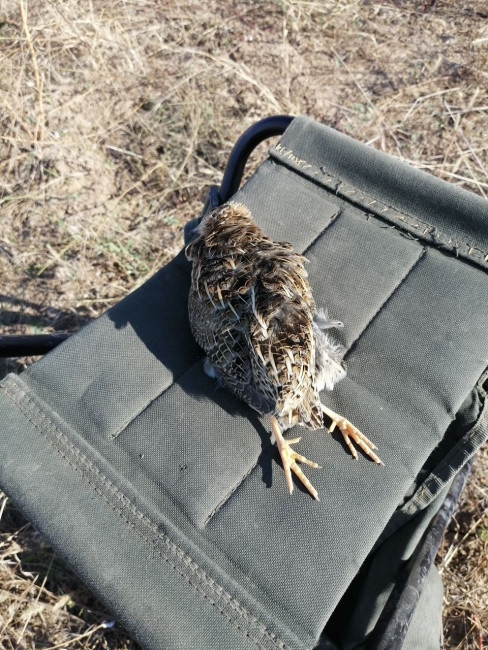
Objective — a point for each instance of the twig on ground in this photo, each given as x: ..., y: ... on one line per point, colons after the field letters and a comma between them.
x: 39, y: 128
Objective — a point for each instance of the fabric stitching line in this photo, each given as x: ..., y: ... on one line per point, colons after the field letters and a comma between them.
x: 174, y: 379
x: 386, y: 300
x: 458, y: 456
x: 188, y: 561
x: 464, y: 449
x: 340, y: 187
x: 332, y: 220
x: 120, y: 495
x: 174, y: 548
x: 226, y: 498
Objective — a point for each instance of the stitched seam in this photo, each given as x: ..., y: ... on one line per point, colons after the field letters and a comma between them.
x: 387, y: 300
x: 332, y: 220
x: 122, y: 427
x: 180, y: 554
x: 198, y: 572
x: 224, y: 500
x: 427, y: 231
x: 464, y: 449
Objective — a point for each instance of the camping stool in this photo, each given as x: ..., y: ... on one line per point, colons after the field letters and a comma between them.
x: 165, y: 493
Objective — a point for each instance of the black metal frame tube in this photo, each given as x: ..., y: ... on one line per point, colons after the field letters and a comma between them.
x: 30, y: 345
x: 245, y: 145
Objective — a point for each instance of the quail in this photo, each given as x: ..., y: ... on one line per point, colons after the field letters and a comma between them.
x: 252, y: 311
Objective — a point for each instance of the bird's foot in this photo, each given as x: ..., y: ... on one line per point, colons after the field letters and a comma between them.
x: 349, y: 431
x: 289, y: 458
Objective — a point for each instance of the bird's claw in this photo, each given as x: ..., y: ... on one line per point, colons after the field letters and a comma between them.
x: 349, y: 431
x: 289, y: 458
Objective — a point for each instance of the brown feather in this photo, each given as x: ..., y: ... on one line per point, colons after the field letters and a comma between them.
x: 252, y: 310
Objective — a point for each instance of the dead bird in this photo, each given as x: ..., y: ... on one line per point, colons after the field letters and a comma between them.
x: 252, y: 311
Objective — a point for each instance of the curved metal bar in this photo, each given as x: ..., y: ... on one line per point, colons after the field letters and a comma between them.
x: 245, y: 145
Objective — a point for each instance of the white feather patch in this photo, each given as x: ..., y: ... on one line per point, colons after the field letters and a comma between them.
x: 209, y: 369
x: 329, y: 367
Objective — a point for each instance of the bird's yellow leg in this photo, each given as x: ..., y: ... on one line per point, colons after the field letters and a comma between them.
x: 349, y: 431
x: 289, y: 458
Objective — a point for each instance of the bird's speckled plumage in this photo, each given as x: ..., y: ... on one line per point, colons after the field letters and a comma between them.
x: 252, y: 310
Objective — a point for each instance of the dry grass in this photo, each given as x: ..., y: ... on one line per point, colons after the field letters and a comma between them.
x: 114, y: 118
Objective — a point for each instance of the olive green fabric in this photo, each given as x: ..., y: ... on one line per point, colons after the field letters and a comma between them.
x: 165, y: 493
x: 425, y: 629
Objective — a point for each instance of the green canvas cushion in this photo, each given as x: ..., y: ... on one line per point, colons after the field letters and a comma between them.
x: 164, y: 491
